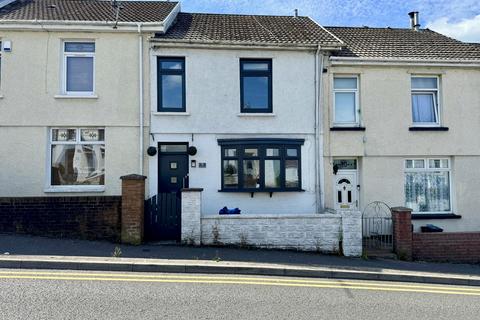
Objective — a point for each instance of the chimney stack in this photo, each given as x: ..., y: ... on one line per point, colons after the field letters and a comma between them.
x: 414, y: 23
x: 295, y: 13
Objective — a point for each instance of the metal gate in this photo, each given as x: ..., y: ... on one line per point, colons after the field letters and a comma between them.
x: 163, y: 217
x: 377, y: 229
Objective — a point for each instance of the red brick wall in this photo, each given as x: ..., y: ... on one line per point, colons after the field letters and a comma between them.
x: 65, y: 217
x: 402, y: 232
x: 446, y: 246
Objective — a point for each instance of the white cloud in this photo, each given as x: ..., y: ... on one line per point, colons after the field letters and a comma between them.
x: 467, y: 30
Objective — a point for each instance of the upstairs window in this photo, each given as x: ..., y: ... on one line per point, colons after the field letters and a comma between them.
x: 345, y: 95
x: 256, y: 85
x: 428, y: 185
x: 171, y: 84
x: 425, y: 102
x: 255, y: 165
x: 79, y: 68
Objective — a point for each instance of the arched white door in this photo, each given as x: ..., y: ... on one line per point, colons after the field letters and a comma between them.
x: 345, y: 191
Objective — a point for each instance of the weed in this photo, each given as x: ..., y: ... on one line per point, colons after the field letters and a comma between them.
x: 117, y: 252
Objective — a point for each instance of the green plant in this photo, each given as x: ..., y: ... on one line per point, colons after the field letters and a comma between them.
x: 217, y: 257
x: 364, y: 255
x: 117, y: 252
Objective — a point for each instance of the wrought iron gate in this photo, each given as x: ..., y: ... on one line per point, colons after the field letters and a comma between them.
x: 163, y: 217
x: 377, y: 229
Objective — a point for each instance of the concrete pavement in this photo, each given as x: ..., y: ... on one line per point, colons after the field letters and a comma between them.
x: 45, y: 253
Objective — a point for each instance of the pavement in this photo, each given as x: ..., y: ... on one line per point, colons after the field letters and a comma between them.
x: 32, y: 252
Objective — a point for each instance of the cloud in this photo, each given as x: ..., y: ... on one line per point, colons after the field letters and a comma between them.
x: 467, y: 30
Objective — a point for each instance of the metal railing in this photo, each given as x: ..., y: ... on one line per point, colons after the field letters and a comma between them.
x: 377, y: 229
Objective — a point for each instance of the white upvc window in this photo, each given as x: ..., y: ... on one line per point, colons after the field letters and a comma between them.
x: 76, y: 159
x: 425, y: 100
x: 428, y: 185
x: 346, y: 109
x: 78, y: 68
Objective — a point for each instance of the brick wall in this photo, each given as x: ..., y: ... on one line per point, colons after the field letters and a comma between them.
x: 446, y: 246
x: 69, y: 217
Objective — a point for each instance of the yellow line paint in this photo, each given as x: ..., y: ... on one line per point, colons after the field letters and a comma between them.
x: 260, y: 282
x: 242, y: 279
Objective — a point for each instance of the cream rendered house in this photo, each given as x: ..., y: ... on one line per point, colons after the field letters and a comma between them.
x: 401, y: 116
x: 71, y: 104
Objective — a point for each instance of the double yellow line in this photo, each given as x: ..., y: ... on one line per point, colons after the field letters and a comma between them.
x: 259, y: 281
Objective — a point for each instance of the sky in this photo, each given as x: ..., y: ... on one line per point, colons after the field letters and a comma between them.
x: 459, y: 19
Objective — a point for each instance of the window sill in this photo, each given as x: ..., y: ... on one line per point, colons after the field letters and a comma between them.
x: 252, y: 192
x: 426, y: 216
x: 169, y: 113
x: 253, y: 114
x: 428, y: 129
x: 1, y: 96
x: 66, y: 96
x: 347, y: 129
x: 77, y: 189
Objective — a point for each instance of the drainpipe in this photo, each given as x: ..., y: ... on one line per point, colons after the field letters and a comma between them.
x: 321, y: 136
x: 140, y: 87
x: 318, y: 132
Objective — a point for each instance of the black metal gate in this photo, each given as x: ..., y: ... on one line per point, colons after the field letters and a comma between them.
x: 163, y: 217
x: 377, y: 230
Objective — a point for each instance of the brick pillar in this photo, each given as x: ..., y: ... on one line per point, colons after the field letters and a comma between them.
x: 402, y: 232
x: 191, y: 216
x: 352, y: 233
x: 133, y: 202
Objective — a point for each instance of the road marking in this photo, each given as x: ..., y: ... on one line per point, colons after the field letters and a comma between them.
x: 255, y: 281
x: 235, y: 278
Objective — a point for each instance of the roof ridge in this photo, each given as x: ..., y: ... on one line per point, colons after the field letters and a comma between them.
x: 239, y: 14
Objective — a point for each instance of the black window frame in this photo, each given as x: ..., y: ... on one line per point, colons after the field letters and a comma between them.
x: 256, y: 73
x: 262, y: 145
x: 161, y: 72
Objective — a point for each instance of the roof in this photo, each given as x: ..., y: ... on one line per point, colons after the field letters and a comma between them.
x: 86, y: 10
x: 238, y: 29
x: 365, y: 42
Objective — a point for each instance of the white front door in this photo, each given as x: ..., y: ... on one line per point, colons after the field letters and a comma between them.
x: 345, y: 190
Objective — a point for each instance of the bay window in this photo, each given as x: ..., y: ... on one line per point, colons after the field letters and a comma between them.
x: 425, y: 101
x: 428, y: 185
x: 77, y: 157
x: 252, y: 165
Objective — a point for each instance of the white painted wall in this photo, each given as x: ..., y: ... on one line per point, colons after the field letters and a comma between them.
x: 213, y: 112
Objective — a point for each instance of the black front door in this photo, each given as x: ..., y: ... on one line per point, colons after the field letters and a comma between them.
x: 163, y: 212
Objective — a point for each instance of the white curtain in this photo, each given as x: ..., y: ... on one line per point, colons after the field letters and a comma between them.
x: 423, y: 107
x: 428, y: 191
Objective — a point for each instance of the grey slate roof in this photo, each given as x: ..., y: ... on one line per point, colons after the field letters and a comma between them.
x: 232, y: 28
x: 365, y: 42
x: 86, y: 10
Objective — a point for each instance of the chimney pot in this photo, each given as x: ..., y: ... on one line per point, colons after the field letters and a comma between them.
x: 414, y: 21
x: 295, y: 13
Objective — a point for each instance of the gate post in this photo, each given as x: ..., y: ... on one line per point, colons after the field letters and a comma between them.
x: 352, y: 233
x: 133, y: 202
x: 402, y: 232
x: 191, y: 216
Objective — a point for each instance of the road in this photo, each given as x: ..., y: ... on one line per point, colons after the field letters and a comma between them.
x: 38, y: 294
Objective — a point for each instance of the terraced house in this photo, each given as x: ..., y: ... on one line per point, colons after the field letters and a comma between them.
x: 269, y: 130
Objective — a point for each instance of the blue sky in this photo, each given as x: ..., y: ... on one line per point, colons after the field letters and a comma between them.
x: 457, y: 18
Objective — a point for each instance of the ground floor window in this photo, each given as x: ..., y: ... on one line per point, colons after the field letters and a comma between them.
x: 428, y: 185
x: 261, y: 165
x: 77, y: 157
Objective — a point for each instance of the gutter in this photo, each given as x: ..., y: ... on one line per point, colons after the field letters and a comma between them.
x: 404, y: 62
x: 140, y: 99
x: 220, y: 44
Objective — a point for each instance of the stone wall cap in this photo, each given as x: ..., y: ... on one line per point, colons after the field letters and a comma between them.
x: 133, y: 177
x: 192, y: 190
x: 401, y: 209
